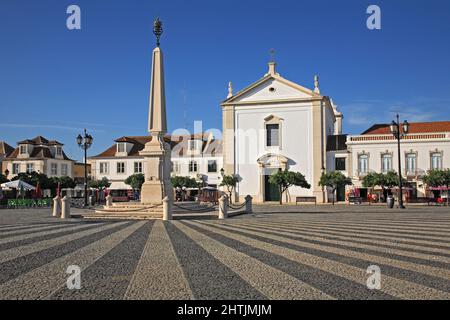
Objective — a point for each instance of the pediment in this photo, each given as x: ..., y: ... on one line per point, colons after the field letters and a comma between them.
x: 272, y: 87
x: 272, y: 160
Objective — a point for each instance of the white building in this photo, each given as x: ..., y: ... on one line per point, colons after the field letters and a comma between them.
x: 198, y: 156
x: 39, y: 155
x: 277, y: 124
x: 425, y: 147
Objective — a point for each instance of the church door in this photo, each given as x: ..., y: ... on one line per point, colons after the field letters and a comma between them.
x: 271, y: 192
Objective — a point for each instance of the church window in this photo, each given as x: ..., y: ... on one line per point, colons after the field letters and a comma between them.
x: 272, y: 134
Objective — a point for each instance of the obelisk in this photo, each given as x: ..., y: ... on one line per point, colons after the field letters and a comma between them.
x: 156, y: 153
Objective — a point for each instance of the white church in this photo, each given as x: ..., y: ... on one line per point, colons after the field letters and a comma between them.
x: 275, y: 123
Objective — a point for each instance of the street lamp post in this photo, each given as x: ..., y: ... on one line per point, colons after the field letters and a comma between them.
x: 399, y: 131
x: 85, y: 142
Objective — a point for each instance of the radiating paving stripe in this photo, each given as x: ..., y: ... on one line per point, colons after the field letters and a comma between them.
x: 35, y: 238
x: 35, y: 229
x: 434, y: 268
x: 25, y: 226
x: 407, y: 271
x: 391, y: 285
x: 158, y: 274
x: 380, y: 232
x: 433, y: 253
x: 42, y: 282
x: 331, y: 283
x: 53, y: 240
x: 374, y: 227
x: 208, y: 278
x: 402, y: 230
x: 372, y: 237
x: 273, y: 283
x: 108, y: 277
x: 13, y: 268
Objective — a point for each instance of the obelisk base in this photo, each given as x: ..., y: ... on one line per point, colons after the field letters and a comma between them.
x: 152, y: 192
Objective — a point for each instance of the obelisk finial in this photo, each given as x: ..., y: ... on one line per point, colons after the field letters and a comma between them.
x: 157, y: 30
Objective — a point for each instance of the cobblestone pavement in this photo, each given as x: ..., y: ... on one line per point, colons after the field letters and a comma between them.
x: 307, y: 252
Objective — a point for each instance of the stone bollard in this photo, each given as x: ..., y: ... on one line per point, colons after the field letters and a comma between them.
x: 65, y: 208
x: 167, y: 209
x: 248, y: 204
x: 109, y: 201
x: 223, y: 207
x: 56, y: 206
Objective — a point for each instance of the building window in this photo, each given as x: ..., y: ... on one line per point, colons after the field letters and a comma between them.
x: 192, y: 166
x: 54, y: 169
x: 436, y: 160
x: 15, y: 168
x: 272, y: 134
x: 339, y: 164
x: 138, y: 167
x: 23, y: 149
x: 386, y: 163
x: 121, y: 147
x: 59, y: 151
x: 104, y: 168
x: 120, y: 167
x: 30, y: 167
x: 64, y: 170
x: 212, y: 166
x: 411, y: 160
x: 175, y: 167
x: 363, y: 163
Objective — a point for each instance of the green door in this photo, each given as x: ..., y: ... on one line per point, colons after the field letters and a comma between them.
x: 271, y: 191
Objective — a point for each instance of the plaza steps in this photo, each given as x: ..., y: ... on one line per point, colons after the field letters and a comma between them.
x: 137, y: 211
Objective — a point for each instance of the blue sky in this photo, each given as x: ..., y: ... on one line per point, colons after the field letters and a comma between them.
x: 54, y: 82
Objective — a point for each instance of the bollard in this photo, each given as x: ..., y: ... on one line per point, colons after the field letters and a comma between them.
x: 57, y: 206
x: 248, y: 204
x: 167, y: 209
x: 109, y: 201
x: 223, y: 207
x: 65, y: 208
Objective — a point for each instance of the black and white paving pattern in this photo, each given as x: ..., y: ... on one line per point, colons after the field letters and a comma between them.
x: 277, y: 253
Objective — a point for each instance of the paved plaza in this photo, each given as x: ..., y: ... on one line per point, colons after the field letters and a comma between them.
x: 304, y: 252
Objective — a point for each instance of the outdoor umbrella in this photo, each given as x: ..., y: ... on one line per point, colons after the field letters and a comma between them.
x: 17, y: 184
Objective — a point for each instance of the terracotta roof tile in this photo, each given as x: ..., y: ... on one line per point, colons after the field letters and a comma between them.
x: 414, y: 127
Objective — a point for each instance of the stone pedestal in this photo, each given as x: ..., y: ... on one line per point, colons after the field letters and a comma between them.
x: 56, y: 206
x: 157, y: 171
x: 65, y: 207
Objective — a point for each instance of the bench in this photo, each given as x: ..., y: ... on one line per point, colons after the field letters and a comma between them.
x: 356, y: 200
x: 305, y: 199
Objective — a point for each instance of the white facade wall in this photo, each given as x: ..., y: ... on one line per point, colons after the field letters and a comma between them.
x: 117, y: 179
x: 422, y: 147
x: 295, y: 143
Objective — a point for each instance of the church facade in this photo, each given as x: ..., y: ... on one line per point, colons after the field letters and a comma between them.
x: 277, y: 124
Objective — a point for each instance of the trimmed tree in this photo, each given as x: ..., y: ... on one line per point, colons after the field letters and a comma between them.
x: 386, y: 181
x: 183, y: 182
x: 65, y: 182
x: 334, y: 180
x: 230, y: 182
x: 135, y: 181
x: 438, y: 178
x: 285, y: 179
x: 101, y: 184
